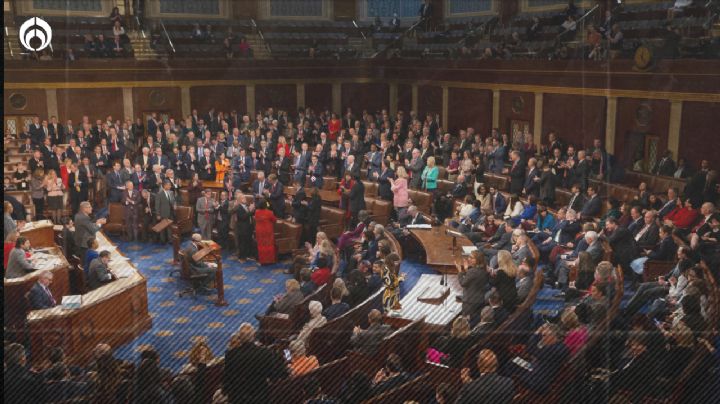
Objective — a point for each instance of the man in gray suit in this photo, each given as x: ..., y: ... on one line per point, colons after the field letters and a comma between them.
x: 99, y: 274
x: 594, y: 249
x: 199, y: 267
x: 18, y: 265
x: 521, y: 250
x: 489, y: 387
x: 525, y: 280
x: 367, y: 341
x: 205, y: 208
x: 165, y: 209
x: 9, y: 224
x: 286, y: 303
x: 505, y: 243
x: 415, y: 168
x: 85, y: 229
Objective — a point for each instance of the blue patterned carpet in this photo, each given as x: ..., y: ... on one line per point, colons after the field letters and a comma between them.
x: 178, y: 322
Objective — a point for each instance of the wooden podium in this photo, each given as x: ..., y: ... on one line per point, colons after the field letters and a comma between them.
x: 212, y: 253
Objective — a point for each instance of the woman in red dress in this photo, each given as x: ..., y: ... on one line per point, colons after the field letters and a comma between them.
x: 334, y: 127
x: 344, y: 191
x: 265, y: 233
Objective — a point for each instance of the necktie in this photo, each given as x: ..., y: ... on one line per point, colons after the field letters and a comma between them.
x: 52, y: 299
x: 699, y: 225
x: 641, y: 232
x: 207, y: 212
x: 114, y: 149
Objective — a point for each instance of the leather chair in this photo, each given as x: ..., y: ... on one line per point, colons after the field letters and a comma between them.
x: 445, y: 186
x: 287, y: 236
x: 184, y: 219
x: 116, y: 219
x: 332, y: 221
x: 371, y: 189
x: 381, y: 211
x: 442, y: 173
x: 329, y: 183
x: 422, y: 200
x: 187, y: 276
x: 184, y: 197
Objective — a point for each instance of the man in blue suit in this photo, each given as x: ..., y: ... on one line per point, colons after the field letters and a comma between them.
x: 671, y: 203
x: 497, y: 157
x: 593, y: 205
x: 549, y: 353
x: 374, y: 159
x: 315, y: 171
x: 532, y: 179
x: 40, y: 296
x: 115, y: 183
x: 300, y: 167
x: 159, y: 158
x: 497, y: 201
x: 241, y: 165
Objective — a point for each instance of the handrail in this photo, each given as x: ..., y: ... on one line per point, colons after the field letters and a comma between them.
x: 582, y: 19
x: 139, y: 26
x: 9, y: 44
x: 358, y: 28
x: 260, y: 34
x: 399, y: 38
x: 167, y: 36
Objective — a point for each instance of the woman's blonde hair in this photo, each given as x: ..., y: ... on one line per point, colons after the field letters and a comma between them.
x: 51, y: 174
x: 195, y: 354
x: 506, y: 263
x: 431, y: 161
x: 401, y: 173
x: 340, y: 283
x: 292, y: 285
x: 460, y: 328
x: 326, y: 247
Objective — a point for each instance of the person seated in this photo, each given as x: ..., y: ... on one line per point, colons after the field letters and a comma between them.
x: 199, y: 267
x: 486, y: 324
x: 374, y: 280
x: 575, y: 330
x: 367, y: 341
x: 528, y: 213
x: 663, y: 251
x: 489, y: 387
x: 199, y: 356
x: 391, y: 375
x: 307, y: 286
x: 564, y: 232
x: 485, y: 230
x: 348, y: 237
x: 683, y: 216
x: 467, y: 212
x: 322, y: 273
x: 592, y: 246
x: 337, y: 307
x: 502, y: 242
x: 494, y: 301
x: 524, y: 279
x: 61, y: 386
x: 18, y: 264
x: 613, y: 210
x: 546, y: 353
x: 285, y: 304
x: 703, y: 225
x: 99, y: 274
x: 40, y: 295
x: 592, y: 206
x: 450, y: 349
x: 357, y: 284
x: 19, y: 380
x: 544, y: 221
x: 300, y: 362
x: 316, y: 320
x: 705, y: 240
x: 309, y: 254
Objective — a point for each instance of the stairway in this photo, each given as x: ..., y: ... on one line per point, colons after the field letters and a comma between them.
x: 258, y: 47
x: 142, y: 50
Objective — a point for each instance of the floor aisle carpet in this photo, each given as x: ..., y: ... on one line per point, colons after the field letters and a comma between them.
x: 179, y: 321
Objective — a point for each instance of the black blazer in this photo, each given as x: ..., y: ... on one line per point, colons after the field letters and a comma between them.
x: 592, y: 207
x: 357, y: 197
x: 39, y: 299
x: 665, y: 251
x: 650, y: 238
x: 623, y: 246
x: 249, y: 383
x: 384, y: 190
x: 517, y: 178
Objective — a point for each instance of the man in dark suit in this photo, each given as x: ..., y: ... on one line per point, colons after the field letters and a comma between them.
x: 245, y: 383
x: 99, y: 274
x: 497, y: 201
x: 489, y: 387
x: 672, y: 195
x: 622, y: 243
x: 356, y: 200
x: 115, y: 183
x: 415, y: 168
x: 351, y: 166
x: 260, y: 185
x: 592, y: 206
x: 283, y: 165
x: 40, y: 296
x: 243, y: 225
x: 132, y: 203
x: 426, y: 13
x: 548, y: 354
x: 531, y: 186
x: 56, y: 131
x: 165, y: 209
x: 276, y: 197
x: 517, y: 173
x: 666, y: 165
x: 582, y: 170
x: 367, y: 341
x: 665, y: 251
x: 20, y: 383
x: 647, y: 234
x: 159, y: 158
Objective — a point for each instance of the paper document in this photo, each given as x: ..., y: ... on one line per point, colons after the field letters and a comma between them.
x: 467, y: 249
x: 72, y: 302
x: 419, y: 226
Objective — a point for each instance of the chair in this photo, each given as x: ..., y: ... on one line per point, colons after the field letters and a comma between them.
x: 116, y: 219
x: 186, y: 275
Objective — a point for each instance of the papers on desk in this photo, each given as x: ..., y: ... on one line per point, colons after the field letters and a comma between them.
x: 121, y: 269
x: 45, y: 261
x: 36, y: 225
x: 72, y: 302
x: 467, y: 249
x: 419, y: 226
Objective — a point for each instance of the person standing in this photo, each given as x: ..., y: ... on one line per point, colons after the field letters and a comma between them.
x: 265, y: 233
x: 276, y: 196
x: 391, y: 279
x: 489, y: 387
x: 222, y: 219
x: 85, y: 229
x: 165, y: 209
x: 243, y: 226
x: 78, y: 185
x: 131, y: 202
x: 473, y: 278
x: 399, y: 188
x: 356, y: 199
x: 205, y: 208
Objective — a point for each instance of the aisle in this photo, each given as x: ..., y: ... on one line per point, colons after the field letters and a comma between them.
x: 177, y: 322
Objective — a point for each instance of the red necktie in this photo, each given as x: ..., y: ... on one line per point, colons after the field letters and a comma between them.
x: 114, y: 148
x: 52, y: 299
x: 207, y: 213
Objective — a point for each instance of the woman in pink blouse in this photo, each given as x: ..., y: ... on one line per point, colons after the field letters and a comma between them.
x: 576, y: 333
x: 399, y: 186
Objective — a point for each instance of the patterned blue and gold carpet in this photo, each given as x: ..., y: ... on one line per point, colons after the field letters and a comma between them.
x: 179, y: 321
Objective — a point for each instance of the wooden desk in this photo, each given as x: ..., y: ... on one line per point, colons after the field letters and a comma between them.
x: 116, y: 313
x: 15, y: 303
x: 438, y: 247
x: 40, y: 233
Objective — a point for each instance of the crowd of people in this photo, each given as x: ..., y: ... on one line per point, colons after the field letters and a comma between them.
x: 144, y: 166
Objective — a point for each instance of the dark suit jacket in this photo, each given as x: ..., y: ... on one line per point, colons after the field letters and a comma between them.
x: 591, y: 208
x: 665, y: 251
x: 517, y: 177
x: 500, y: 204
x: 488, y: 388
x: 357, y: 197
x: 474, y: 283
x: 276, y: 194
x: 284, y: 171
x: 39, y: 299
x: 98, y: 274
x: 367, y: 341
x: 164, y: 207
x: 650, y: 238
x: 114, y: 181
x: 245, y: 383
x: 549, y: 361
x: 531, y: 186
x: 623, y: 246
x: 256, y: 187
